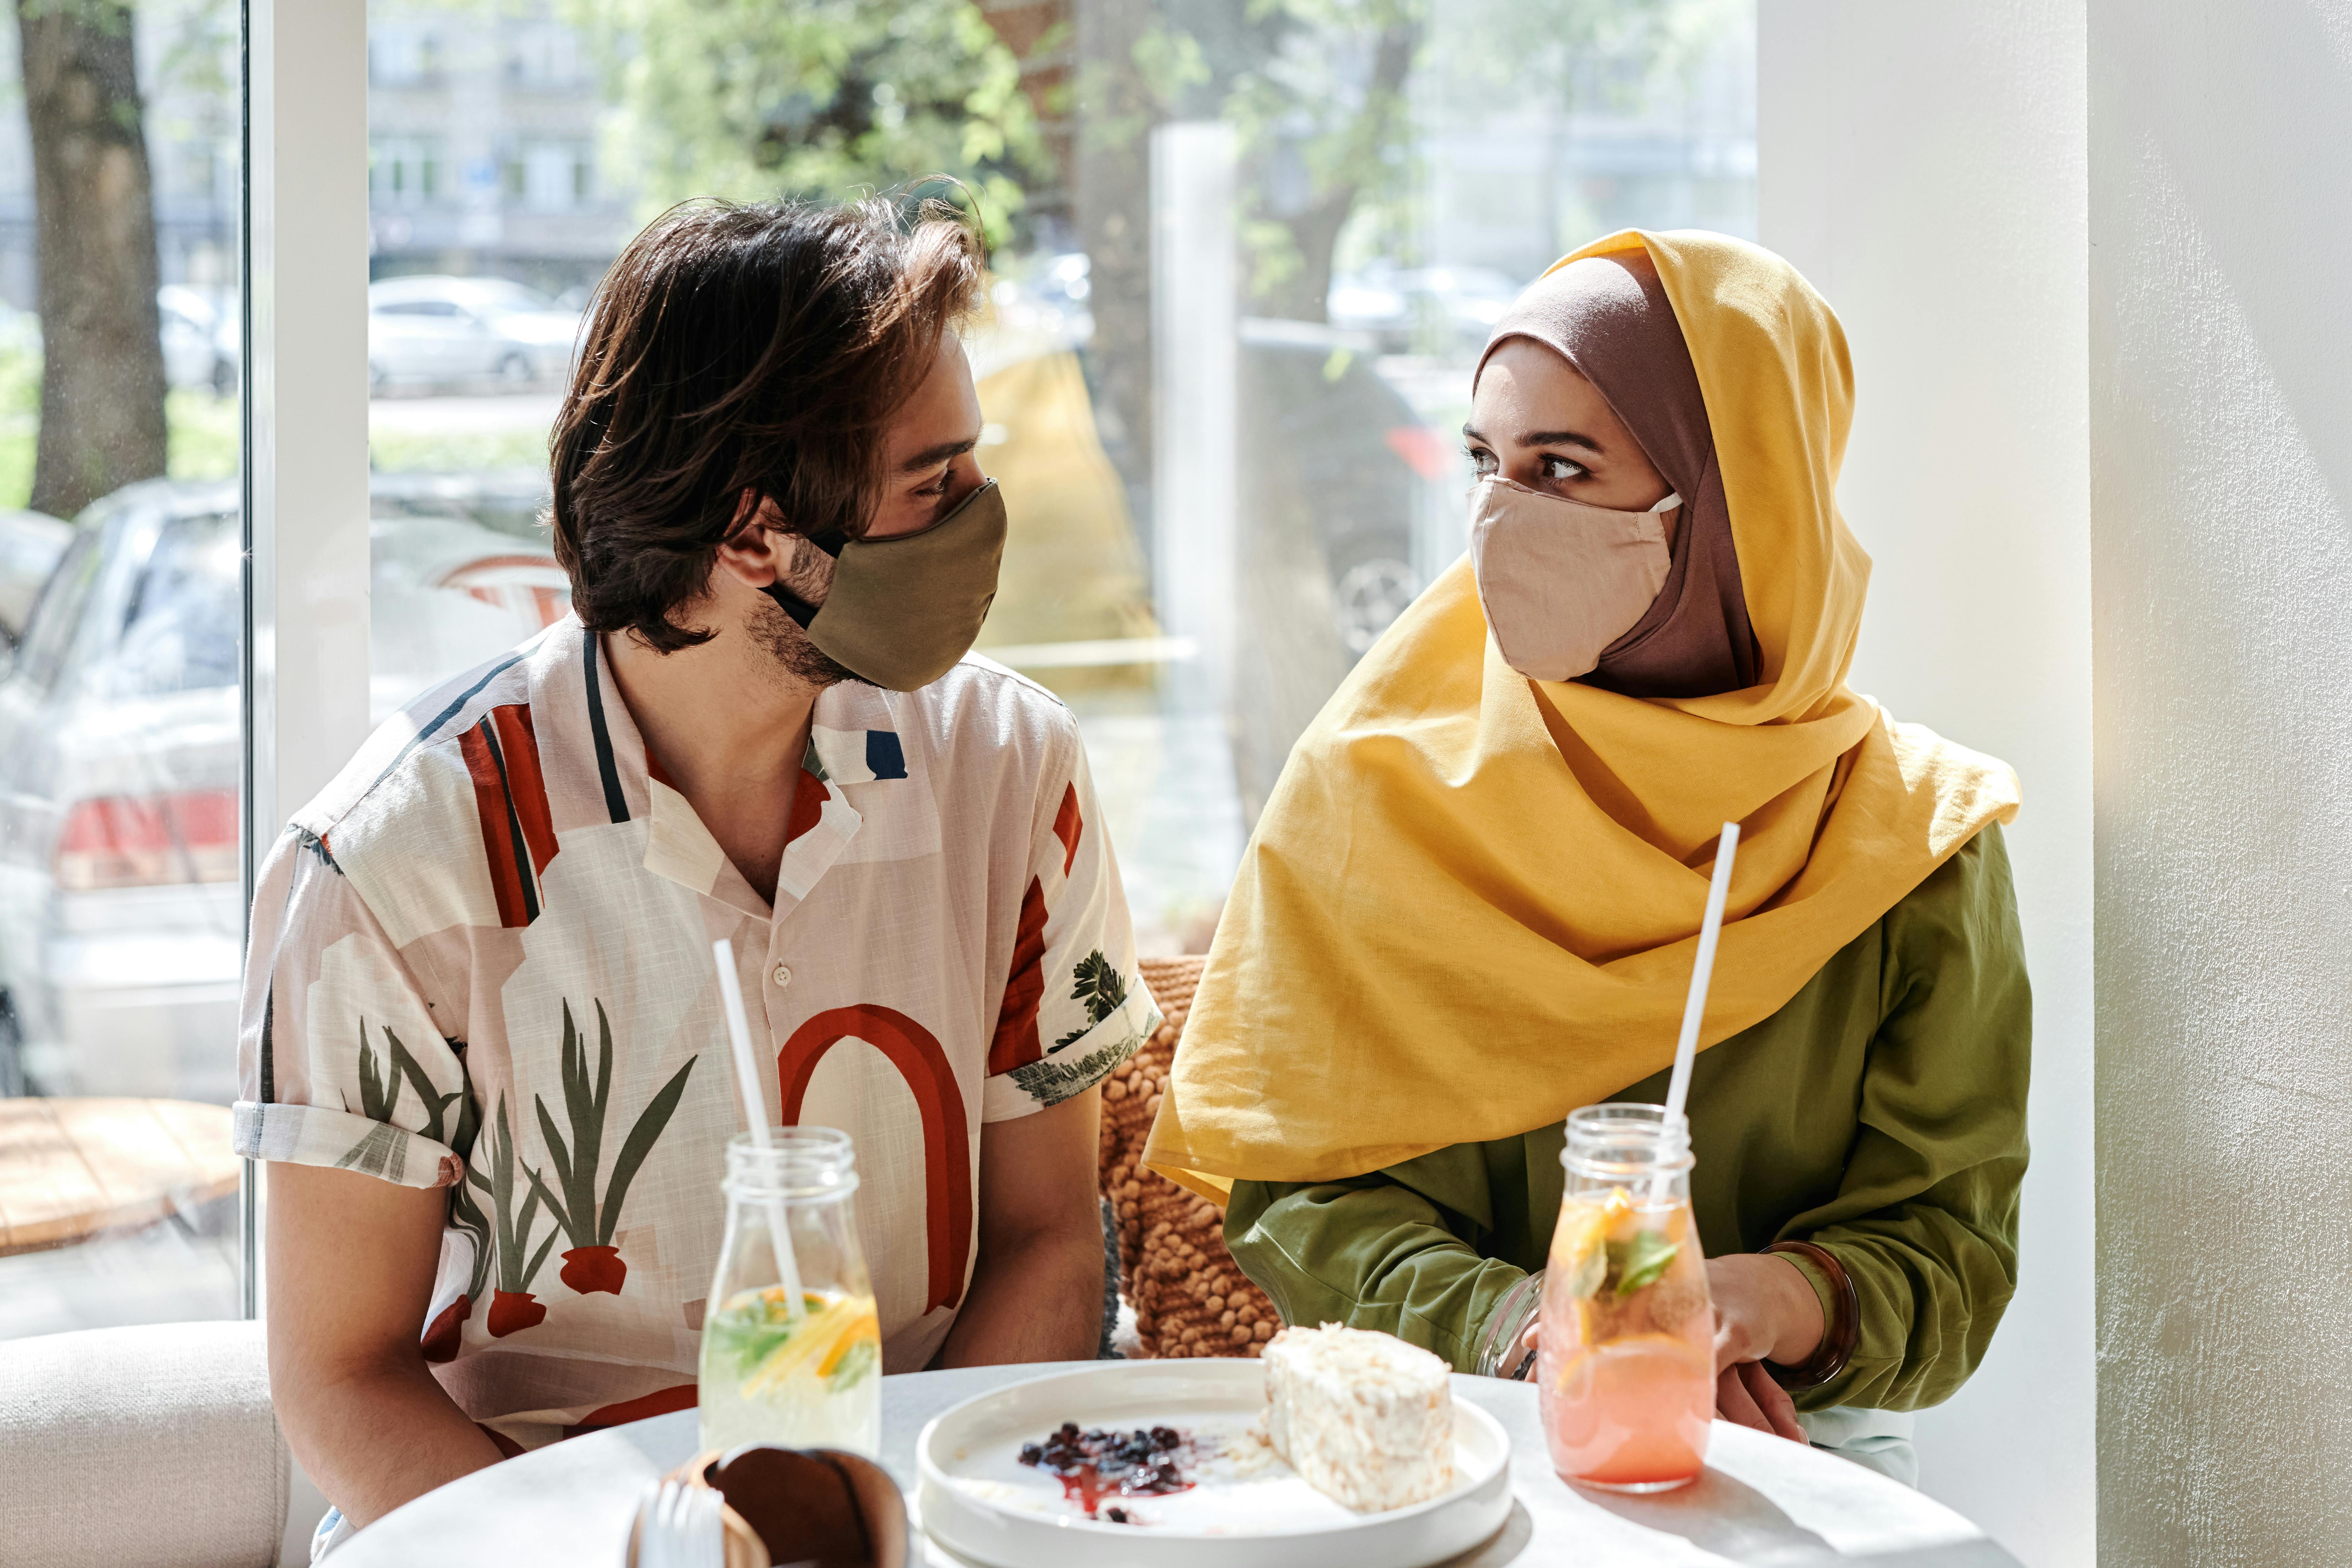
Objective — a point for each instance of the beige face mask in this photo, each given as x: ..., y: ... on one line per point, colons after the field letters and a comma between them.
x: 1562, y: 580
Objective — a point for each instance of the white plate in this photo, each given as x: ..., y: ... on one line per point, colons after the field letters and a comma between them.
x: 976, y: 1498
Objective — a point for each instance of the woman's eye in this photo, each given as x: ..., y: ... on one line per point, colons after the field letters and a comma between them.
x: 1481, y: 463
x: 1561, y: 468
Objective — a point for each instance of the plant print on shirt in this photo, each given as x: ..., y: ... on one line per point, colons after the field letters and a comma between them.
x: 513, y: 1307
x: 381, y: 1152
x: 593, y: 1263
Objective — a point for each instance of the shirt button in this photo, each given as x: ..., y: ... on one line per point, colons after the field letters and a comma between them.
x: 783, y: 976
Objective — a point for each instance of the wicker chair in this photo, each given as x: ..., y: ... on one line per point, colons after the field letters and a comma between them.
x: 1190, y: 1299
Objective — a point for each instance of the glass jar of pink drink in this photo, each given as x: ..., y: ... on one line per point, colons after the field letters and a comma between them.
x: 1625, y: 1350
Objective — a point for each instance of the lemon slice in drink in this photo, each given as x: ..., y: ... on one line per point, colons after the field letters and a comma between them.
x: 830, y: 1327
x: 1584, y: 1228
x: 865, y: 1329
x: 1641, y: 1357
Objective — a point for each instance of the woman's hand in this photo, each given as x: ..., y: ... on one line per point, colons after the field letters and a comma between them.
x: 1765, y: 1310
x: 1746, y: 1396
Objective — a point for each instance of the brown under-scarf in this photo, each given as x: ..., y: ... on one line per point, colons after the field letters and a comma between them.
x: 1609, y: 317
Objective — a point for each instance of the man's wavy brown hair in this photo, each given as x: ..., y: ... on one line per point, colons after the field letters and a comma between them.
x: 734, y: 348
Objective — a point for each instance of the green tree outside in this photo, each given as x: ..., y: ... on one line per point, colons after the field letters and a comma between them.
x: 822, y: 98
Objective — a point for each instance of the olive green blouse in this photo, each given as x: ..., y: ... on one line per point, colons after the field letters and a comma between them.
x: 1879, y: 1114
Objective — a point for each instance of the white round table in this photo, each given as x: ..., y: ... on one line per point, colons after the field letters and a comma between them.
x: 1763, y: 1500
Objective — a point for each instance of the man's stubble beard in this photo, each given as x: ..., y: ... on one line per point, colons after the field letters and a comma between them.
x: 780, y: 637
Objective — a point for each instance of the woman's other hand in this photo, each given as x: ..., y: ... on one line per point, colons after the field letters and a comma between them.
x: 1765, y: 1310
x: 1746, y: 1396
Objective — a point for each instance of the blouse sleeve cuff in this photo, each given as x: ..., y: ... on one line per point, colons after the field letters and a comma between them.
x: 337, y: 1140
x: 1841, y: 1315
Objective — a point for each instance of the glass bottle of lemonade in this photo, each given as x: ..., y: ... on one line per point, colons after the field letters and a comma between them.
x: 1625, y: 1352
x: 809, y: 1382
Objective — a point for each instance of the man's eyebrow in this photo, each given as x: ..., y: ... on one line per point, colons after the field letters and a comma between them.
x: 932, y: 456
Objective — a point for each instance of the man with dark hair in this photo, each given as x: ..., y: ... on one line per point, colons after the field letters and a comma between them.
x: 482, y: 1019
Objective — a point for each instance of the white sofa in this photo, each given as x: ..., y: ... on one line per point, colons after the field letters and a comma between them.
x: 151, y: 1446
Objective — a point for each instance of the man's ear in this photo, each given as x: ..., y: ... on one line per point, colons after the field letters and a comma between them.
x: 758, y: 552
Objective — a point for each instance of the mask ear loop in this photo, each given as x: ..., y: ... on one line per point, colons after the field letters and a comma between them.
x: 1671, y: 501
x: 800, y: 609
x: 833, y: 544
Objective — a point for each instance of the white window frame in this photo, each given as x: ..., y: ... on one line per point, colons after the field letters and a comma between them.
x: 305, y: 415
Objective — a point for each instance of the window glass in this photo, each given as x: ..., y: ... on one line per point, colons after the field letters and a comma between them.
x: 121, y: 742
x: 1245, y: 255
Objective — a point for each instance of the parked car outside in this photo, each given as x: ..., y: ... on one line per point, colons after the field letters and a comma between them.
x: 434, y: 330
x: 197, y: 333
x: 120, y: 925
x: 1323, y: 435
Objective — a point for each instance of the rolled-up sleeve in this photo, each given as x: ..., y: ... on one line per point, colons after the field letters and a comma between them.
x: 1372, y: 1252
x: 1074, y: 1004
x: 340, y: 1061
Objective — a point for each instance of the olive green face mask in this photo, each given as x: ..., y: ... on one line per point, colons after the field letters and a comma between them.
x: 902, y: 610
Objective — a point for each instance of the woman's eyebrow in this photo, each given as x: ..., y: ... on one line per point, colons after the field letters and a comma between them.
x: 1545, y: 438
x: 1558, y: 438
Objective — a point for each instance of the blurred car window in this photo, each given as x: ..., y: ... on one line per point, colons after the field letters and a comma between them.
x: 180, y: 628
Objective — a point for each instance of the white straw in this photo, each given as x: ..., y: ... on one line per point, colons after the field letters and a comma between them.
x: 755, y: 1112
x: 1702, y: 970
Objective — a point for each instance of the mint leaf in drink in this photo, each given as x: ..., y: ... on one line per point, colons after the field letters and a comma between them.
x: 746, y: 1332
x: 1640, y: 1262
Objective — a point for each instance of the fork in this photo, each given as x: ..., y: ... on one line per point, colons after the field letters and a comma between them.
x: 684, y: 1527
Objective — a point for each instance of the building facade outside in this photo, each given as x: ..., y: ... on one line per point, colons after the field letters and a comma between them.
x: 483, y: 128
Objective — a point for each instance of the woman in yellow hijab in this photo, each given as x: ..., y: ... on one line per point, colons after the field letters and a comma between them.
x: 1472, y: 904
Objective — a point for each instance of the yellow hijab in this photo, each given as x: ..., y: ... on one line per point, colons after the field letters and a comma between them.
x: 1472, y: 904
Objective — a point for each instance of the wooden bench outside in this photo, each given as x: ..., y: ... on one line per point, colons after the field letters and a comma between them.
x: 73, y: 1169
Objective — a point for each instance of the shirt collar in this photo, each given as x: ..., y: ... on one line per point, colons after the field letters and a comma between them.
x: 853, y: 738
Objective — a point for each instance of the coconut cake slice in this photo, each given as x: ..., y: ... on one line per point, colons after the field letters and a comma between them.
x: 1364, y: 1418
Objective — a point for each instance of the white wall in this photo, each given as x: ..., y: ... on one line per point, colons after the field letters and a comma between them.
x: 2221, y: 312
x: 1923, y: 164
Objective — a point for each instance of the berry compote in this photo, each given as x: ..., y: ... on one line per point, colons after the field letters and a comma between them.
x: 1097, y: 1465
